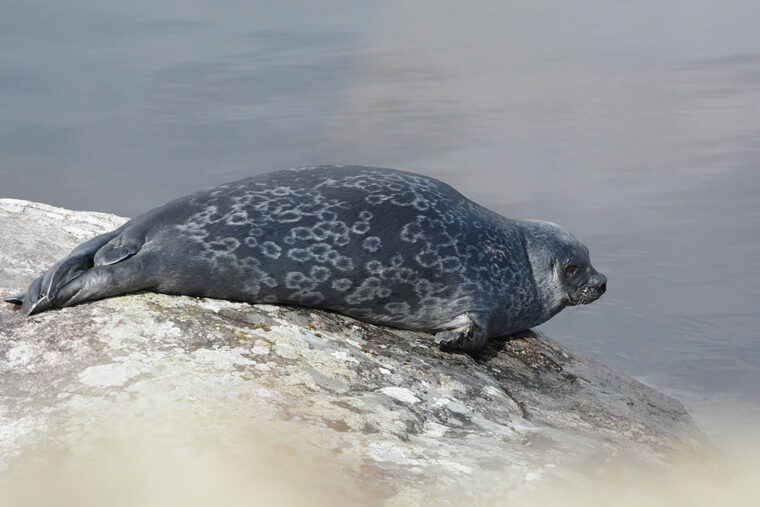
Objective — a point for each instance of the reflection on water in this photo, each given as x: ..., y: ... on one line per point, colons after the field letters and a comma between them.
x: 637, y: 126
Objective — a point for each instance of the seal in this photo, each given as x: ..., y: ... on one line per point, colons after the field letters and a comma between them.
x: 381, y: 245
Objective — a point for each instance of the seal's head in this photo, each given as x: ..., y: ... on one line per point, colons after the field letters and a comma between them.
x: 562, y: 270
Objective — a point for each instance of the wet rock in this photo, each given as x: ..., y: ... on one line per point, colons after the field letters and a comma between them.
x: 394, y: 412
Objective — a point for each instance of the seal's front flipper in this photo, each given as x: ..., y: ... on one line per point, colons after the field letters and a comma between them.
x: 469, y: 335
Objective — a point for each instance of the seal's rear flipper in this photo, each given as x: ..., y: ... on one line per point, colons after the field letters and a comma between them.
x: 16, y: 299
x: 42, y: 292
x: 106, y: 280
x: 119, y: 248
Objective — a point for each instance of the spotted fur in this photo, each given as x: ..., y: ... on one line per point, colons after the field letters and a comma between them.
x: 382, y: 245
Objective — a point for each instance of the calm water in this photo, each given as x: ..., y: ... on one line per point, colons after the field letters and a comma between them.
x: 636, y: 126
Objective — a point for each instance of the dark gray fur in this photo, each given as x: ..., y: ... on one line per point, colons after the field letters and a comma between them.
x: 384, y: 246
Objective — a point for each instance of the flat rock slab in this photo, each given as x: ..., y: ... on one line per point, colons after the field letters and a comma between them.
x: 391, y: 413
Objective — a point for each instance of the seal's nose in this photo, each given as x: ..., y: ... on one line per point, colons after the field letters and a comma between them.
x: 602, y: 282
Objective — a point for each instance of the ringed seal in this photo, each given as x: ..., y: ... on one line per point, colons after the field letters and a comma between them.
x: 381, y: 245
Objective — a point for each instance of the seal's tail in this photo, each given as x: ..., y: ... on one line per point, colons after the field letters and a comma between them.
x: 47, y: 291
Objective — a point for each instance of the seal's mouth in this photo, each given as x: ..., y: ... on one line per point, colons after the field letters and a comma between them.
x: 588, y: 294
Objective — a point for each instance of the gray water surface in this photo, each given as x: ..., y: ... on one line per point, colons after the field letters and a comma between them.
x: 636, y: 126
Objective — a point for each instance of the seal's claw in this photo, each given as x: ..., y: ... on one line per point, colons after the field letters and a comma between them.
x: 444, y: 338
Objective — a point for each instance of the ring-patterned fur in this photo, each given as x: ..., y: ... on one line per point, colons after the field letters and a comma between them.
x: 381, y: 245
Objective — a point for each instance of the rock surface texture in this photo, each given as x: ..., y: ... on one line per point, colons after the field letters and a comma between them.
x: 401, y: 420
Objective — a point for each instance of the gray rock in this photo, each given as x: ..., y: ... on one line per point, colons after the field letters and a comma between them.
x: 398, y: 417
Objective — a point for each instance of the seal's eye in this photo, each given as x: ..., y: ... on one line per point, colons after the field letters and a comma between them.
x: 571, y: 269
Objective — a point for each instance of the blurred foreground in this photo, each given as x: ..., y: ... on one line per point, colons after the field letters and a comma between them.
x: 244, y: 467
